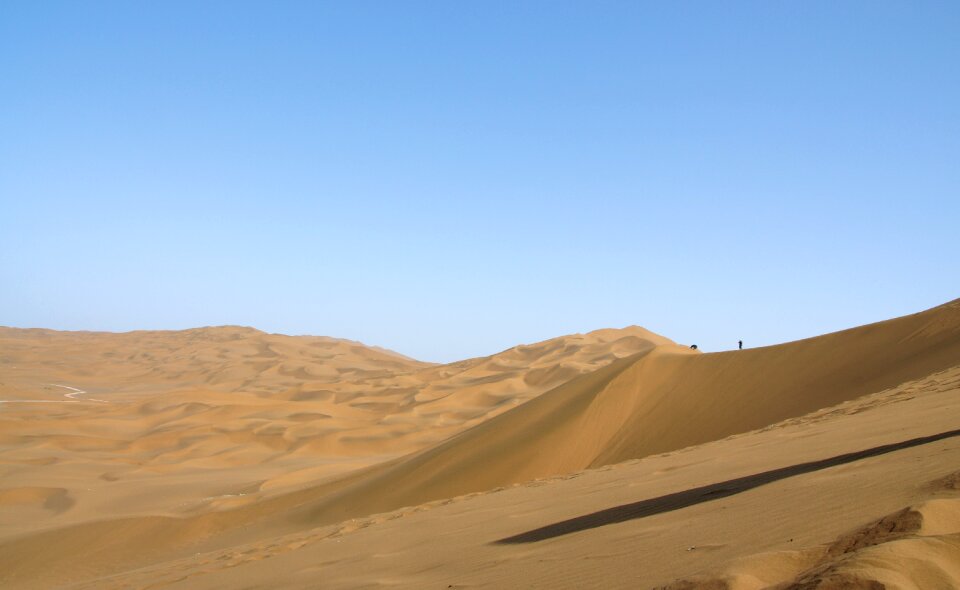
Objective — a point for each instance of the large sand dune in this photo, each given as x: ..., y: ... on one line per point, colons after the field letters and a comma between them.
x: 219, y: 455
x: 658, y: 401
x: 211, y: 418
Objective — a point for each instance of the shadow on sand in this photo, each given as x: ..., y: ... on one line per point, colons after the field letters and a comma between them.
x: 715, y: 491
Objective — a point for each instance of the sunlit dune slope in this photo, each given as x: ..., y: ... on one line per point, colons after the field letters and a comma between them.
x: 658, y: 401
x: 205, y: 419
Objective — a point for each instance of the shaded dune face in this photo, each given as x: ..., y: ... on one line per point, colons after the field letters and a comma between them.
x: 357, y: 431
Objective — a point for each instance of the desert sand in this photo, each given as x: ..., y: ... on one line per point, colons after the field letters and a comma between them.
x: 231, y: 458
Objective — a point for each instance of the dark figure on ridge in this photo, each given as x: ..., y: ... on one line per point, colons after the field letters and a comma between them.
x: 740, y: 342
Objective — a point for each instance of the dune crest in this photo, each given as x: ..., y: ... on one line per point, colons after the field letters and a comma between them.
x: 228, y: 444
x: 656, y: 401
x: 256, y: 412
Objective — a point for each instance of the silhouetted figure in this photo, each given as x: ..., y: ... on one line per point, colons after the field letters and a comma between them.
x: 693, y: 346
x: 740, y: 342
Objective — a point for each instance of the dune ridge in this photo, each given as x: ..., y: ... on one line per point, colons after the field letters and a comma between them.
x: 295, y: 448
x: 215, y: 418
x: 658, y: 401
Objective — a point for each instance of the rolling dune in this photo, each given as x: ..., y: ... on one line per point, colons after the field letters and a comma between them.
x: 816, y: 508
x: 209, y: 418
x: 223, y: 438
x: 659, y: 401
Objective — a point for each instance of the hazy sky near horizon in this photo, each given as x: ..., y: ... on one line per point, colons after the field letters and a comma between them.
x: 448, y: 179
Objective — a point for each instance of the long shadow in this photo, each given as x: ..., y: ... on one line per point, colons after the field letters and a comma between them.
x: 707, y: 493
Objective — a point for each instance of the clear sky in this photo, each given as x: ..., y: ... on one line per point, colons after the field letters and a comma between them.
x: 448, y: 179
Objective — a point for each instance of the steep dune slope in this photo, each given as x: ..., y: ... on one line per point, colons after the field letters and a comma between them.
x: 658, y: 401
x: 703, y: 398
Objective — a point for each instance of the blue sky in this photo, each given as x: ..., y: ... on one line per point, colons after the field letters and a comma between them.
x: 448, y: 179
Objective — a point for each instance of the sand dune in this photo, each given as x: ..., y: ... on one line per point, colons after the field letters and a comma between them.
x: 658, y: 401
x: 226, y: 451
x: 211, y: 412
x: 770, y: 535
x: 228, y: 358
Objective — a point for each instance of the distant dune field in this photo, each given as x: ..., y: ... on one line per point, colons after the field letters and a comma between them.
x: 231, y: 458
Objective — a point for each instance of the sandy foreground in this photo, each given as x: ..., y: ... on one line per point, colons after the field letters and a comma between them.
x: 231, y: 458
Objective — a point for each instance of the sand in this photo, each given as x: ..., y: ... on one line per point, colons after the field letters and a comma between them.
x: 231, y: 458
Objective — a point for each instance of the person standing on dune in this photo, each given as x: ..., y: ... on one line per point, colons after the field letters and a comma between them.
x: 740, y: 342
